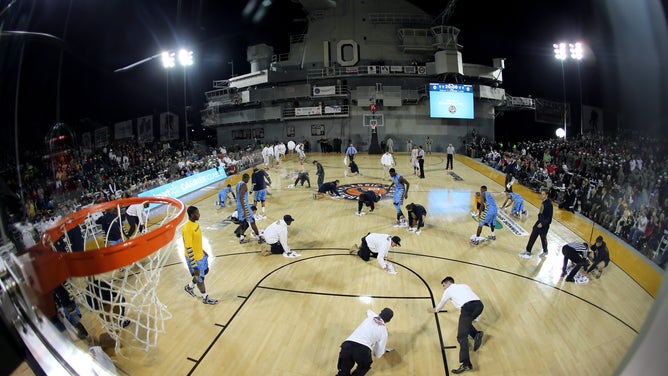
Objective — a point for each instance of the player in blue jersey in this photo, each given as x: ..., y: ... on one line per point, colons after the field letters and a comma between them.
x: 224, y: 194
x: 245, y: 211
x: 487, y: 215
x: 518, y: 204
x: 400, y: 194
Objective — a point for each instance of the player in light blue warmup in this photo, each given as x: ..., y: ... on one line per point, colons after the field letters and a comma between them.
x: 245, y: 211
x: 223, y: 194
x: 518, y: 204
x: 487, y: 215
x: 400, y: 194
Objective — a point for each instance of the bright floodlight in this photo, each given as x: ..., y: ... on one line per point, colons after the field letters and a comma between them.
x: 168, y: 60
x: 560, y: 51
x: 185, y: 57
x: 561, y: 132
x: 576, y: 50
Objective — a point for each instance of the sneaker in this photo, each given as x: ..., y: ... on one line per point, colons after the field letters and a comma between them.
x: 296, y: 254
x: 477, y: 341
x: 462, y: 368
x: 598, y: 275
x: 244, y: 241
x: 289, y: 254
x: 125, y: 323
x: 475, y: 242
x: 418, y: 232
x: 570, y: 280
x: 492, y: 237
x: 190, y: 290
x: 397, y: 224
x: 412, y: 229
x: 253, y: 236
x: 543, y: 254
x: 525, y: 255
x: 403, y: 224
x: 353, y: 250
x: 360, y: 214
x: 209, y: 300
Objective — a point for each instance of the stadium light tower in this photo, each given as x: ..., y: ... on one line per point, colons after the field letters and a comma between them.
x: 185, y: 59
x: 560, y: 54
x: 577, y: 55
x: 168, y: 61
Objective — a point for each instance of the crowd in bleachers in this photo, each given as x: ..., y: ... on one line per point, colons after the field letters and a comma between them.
x: 53, y: 187
x: 621, y: 184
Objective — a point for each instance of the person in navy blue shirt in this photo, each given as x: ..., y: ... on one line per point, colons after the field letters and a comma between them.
x: 541, y: 227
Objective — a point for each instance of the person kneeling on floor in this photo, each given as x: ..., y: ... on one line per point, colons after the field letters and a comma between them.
x: 276, y: 237
x: 368, y: 198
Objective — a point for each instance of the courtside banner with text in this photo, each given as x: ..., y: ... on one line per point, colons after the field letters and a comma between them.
x: 186, y: 185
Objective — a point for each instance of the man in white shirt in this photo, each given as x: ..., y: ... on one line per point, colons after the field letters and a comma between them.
x: 276, y: 237
x: 387, y: 161
x: 266, y: 155
x: 450, y: 150
x: 471, y: 307
x: 370, y: 335
x: 136, y: 217
x: 390, y: 145
x: 378, y: 246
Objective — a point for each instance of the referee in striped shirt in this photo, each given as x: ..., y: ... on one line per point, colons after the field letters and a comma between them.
x: 576, y: 252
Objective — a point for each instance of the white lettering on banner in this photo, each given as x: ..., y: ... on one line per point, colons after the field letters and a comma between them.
x: 334, y: 109
x: 510, y: 223
x: 186, y: 185
x: 307, y: 111
x: 324, y: 90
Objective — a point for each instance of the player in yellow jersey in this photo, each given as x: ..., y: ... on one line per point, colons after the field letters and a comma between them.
x: 196, y: 258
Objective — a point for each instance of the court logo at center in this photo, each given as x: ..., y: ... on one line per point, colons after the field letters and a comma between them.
x: 353, y: 191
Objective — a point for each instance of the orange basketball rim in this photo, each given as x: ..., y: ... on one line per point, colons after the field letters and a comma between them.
x: 45, y: 268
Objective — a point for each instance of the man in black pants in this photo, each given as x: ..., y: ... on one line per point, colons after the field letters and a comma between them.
x: 576, y: 252
x: 416, y: 214
x: 368, y: 198
x: 471, y: 307
x: 370, y: 335
x: 320, y: 172
x: 421, y: 161
x: 303, y: 177
x: 541, y: 227
x: 327, y: 188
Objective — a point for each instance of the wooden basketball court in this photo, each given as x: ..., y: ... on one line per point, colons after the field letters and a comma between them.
x: 288, y: 316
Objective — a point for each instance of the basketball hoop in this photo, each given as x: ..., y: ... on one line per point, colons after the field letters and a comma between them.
x: 373, y: 124
x: 117, y: 283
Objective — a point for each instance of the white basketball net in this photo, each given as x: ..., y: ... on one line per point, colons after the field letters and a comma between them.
x: 373, y: 124
x: 124, y: 301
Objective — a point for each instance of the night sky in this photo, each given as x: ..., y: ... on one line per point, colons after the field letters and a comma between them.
x: 102, y: 36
